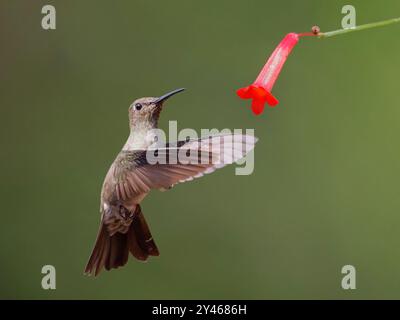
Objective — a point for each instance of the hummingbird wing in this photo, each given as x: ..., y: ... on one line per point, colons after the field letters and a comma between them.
x: 161, y: 168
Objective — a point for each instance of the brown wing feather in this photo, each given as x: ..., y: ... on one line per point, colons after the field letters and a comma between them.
x: 143, y: 176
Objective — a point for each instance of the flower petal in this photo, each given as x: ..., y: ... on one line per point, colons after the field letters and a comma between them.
x: 271, y: 100
x: 244, y: 93
x: 257, y: 106
x: 262, y: 94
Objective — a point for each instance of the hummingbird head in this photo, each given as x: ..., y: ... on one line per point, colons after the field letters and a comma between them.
x: 144, y: 112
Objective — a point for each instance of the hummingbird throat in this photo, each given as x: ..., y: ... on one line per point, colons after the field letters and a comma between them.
x: 141, y: 136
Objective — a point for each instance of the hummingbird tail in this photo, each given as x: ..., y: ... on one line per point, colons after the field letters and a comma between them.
x: 112, y: 251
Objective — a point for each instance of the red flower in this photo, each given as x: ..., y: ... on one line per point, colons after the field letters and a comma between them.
x: 260, y: 90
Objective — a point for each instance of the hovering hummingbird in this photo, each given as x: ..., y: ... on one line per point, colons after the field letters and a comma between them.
x: 123, y: 228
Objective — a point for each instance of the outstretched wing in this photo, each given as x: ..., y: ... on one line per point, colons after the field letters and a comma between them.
x: 139, y: 171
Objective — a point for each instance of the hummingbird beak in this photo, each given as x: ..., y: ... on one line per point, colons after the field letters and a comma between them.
x: 168, y: 95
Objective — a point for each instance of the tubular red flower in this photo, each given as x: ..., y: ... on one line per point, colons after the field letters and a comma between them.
x: 260, y: 90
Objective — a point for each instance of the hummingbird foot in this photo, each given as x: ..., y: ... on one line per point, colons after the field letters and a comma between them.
x: 125, y: 213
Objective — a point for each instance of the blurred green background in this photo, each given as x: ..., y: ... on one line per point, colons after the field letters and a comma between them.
x: 325, y: 188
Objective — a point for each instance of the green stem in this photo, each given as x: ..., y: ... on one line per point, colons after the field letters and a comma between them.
x: 358, y: 28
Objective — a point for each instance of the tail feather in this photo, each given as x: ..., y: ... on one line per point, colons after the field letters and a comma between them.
x: 143, y: 235
x: 112, y: 252
x: 118, y: 251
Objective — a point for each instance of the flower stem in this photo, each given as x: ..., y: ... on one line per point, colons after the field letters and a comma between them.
x: 358, y: 28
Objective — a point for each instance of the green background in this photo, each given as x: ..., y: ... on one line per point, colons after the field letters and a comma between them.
x: 324, y: 192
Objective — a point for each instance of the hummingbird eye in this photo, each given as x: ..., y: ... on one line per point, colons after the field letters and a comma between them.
x: 138, y: 106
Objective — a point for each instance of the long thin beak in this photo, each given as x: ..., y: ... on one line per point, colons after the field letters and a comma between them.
x: 168, y: 95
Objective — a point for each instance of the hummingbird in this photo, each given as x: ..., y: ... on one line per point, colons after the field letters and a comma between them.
x: 123, y: 228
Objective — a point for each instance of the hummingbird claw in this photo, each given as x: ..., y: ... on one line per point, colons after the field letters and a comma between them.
x: 125, y: 213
